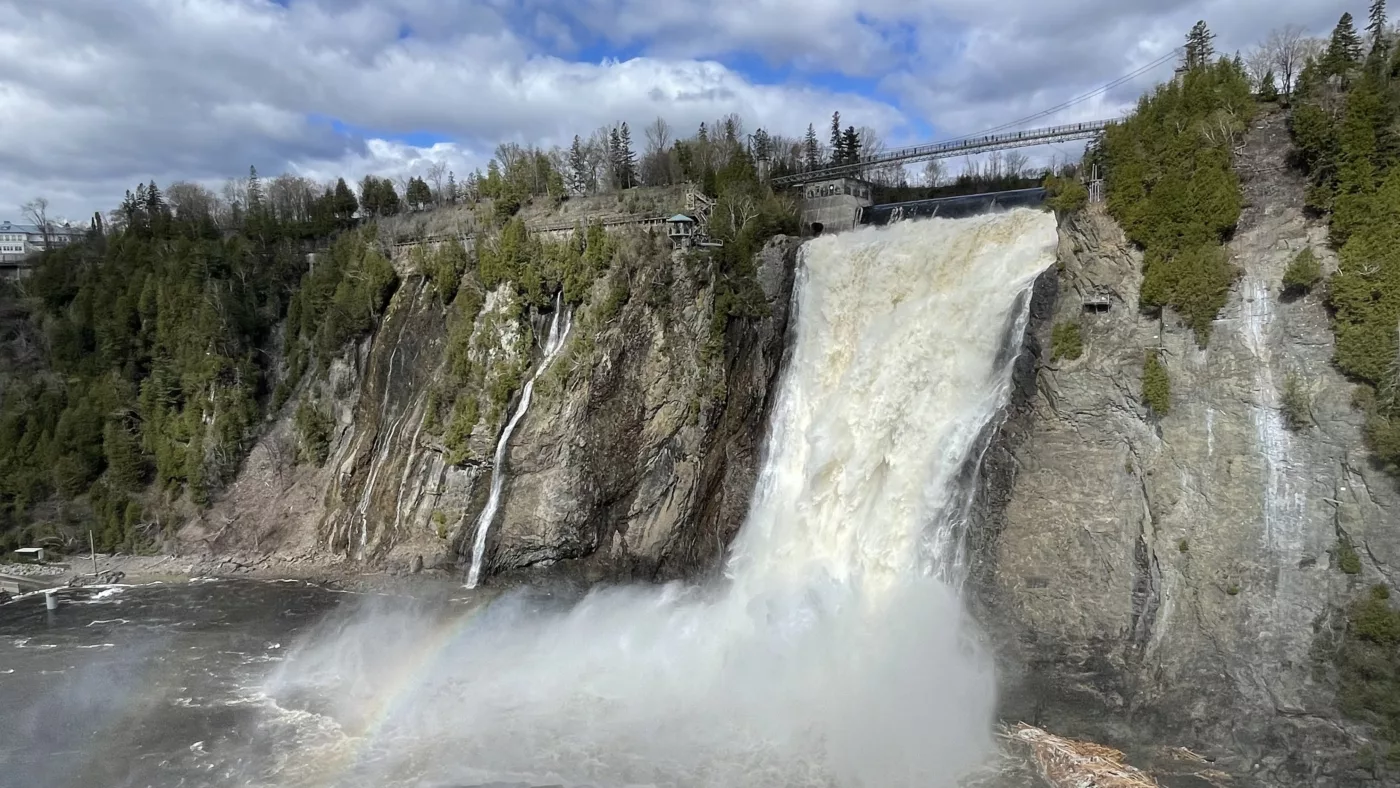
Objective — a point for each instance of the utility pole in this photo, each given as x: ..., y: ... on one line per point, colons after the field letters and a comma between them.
x: 92, y: 551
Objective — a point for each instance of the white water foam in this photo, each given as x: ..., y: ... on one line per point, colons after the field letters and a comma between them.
x: 836, y: 653
x: 552, y: 346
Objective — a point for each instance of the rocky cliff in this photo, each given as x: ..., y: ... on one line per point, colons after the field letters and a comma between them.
x: 1175, y: 579
x: 635, y: 459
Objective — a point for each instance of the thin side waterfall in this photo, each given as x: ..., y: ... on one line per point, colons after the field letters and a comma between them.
x: 552, y: 346
x: 836, y: 652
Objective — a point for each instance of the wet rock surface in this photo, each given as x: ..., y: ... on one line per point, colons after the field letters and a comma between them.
x: 1152, y: 580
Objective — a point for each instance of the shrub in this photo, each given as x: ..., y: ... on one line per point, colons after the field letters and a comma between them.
x: 1156, y: 387
x: 1303, y: 273
x: 1065, y: 195
x: 1296, y: 404
x: 1182, y: 546
x: 1066, y: 342
x: 313, y: 427
x: 1172, y: 188
x: 1347, y: 558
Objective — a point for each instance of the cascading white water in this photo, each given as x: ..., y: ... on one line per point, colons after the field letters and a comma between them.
x: 837, y: 651
x: 552, y: 346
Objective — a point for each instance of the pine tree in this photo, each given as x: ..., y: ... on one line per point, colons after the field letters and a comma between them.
x: 1376, y: 26
x: 731, y: 133
x: 1343, y: 49
x: 345, y: 204
x: 1268, y: 91
x: 451, y: 195
x: 811, y: 150
x: 255, y: 192
x: 418, y: 194
x: 627, y: 160
x: 702, y: 135
x: 1199, y: 49
x: 838, y: 152
x: 388, y: 197
x: 762, y: 145
x: 578, y: 167
x: 850, y: 146
x: 615, y: 158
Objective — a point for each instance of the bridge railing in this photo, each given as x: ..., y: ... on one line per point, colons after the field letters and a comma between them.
x: 934, y: 150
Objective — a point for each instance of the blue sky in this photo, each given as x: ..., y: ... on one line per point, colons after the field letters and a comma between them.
x: 113, y: 93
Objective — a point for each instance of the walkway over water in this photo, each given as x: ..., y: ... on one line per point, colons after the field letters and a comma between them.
x: 949, y: 148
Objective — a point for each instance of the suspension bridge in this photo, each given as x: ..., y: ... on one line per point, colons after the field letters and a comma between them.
x: 1008, y: 135
x: 948, y: 149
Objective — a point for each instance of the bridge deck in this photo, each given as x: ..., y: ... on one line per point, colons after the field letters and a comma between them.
x: 958, y: 147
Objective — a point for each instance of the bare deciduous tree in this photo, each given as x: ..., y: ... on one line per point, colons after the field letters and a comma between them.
x: 932, y: 173
x: 190, y: 200
x: 1288, y: 51
x: 436, y: 178
x: 37, y: 212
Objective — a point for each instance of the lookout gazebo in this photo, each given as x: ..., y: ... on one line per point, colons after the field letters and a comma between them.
x: 681, y: 229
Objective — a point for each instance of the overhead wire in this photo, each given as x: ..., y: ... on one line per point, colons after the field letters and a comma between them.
x: 1079, y: 99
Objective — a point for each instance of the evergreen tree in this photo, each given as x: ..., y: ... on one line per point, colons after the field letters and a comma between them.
x: 578, y: 167
x: 615, y: 158
x: 1376, y: 27
x: 255, y: 191
x: 418, y: 195
x: 762, y: 145
x: 1343, y: 49
x: 811, y: 150
x: 627, y: 160
x: 344, y: 203
x: 838, y: 150
x: 1268, y: 91
x: 731, y: 133
x: 451, y: 195
x: 1199, y: 47
x: 388, y: 197
x: 702, y: 135
x: 850, y: 146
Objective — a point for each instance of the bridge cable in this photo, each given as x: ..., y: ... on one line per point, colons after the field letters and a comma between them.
x: 1091, y: 94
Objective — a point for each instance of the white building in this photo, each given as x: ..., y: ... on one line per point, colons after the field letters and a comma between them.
x: 18, y: 242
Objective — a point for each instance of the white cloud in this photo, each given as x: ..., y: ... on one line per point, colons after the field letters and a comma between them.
x: 98, y: 95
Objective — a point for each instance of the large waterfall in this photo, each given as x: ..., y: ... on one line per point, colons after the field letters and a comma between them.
x: 836, y: 652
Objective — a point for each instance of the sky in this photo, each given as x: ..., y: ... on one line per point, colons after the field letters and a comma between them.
x: 98, y: 95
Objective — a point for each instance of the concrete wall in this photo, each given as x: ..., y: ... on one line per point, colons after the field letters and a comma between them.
x: 837, y: 213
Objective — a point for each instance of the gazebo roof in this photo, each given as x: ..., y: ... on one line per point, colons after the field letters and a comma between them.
x: 680, y: 217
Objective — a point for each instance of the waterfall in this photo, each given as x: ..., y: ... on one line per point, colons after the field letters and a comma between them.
x: 552, y: 346
x: 836, y: 652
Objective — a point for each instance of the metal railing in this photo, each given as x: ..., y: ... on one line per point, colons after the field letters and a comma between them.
x: 939, y: 150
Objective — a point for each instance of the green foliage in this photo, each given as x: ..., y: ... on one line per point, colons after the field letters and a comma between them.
x: 440, y: 523
x: 1172, y: 188
x: 1268, y: 88
x: 1302, y: 275
x: 313, y: 427
x: 1066, y: 342
x: 1065, y: 195
x: 1156, y: 387
x: 1183, y: 546
x: 1347, y: 558
x: 155, y: 370
x: 1368, y: 665
x: 1296, y: 403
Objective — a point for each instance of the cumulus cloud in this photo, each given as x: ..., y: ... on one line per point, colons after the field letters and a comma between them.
x: 101, y: 94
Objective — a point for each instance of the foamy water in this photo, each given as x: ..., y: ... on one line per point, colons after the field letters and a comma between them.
x: 836, y: 652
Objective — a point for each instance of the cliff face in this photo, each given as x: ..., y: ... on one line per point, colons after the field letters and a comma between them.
x: 1175, y: 579
x: 635, y: 459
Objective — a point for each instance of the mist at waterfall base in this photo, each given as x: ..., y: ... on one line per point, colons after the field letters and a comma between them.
x: 835, y: 652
